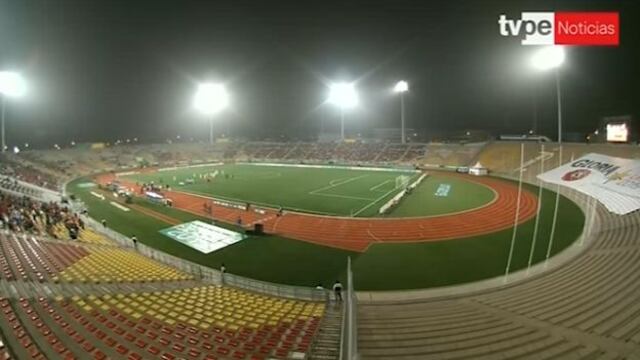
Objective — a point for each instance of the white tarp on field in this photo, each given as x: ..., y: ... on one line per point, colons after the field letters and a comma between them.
x: 614, y: 181
x: 203, y: 237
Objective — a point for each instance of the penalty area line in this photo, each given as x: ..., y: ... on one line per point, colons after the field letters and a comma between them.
x: 342, y: 196
x: 331, y: 186
x: 375, y: 201
x: 377, y: 186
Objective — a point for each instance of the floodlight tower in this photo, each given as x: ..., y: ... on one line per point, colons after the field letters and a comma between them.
x: 401, y: 88
x: 210, y: 99
x: 12, y: 85
x: 344, y: 96
x: 551, y: 58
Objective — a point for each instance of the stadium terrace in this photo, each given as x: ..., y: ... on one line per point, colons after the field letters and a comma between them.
x: 335, y: 180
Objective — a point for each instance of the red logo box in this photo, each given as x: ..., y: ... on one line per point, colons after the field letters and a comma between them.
x: 587, y: 28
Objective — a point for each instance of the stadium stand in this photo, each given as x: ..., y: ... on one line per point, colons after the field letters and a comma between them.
x: 210, y: 322
x: 586, y: 308
x: 124, y: 305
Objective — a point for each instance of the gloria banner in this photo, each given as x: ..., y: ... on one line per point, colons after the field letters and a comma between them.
x: 614, y: 181
x: 203, y: 237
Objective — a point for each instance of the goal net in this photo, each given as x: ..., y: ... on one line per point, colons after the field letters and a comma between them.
x: 402, y: 181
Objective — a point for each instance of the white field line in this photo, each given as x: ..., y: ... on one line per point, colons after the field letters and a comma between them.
x: 332, y: 182
x: 377, y: 186
x: 342, y: 196
x: 373, y: 202
x: 331, y: 186
x: 123, y: 208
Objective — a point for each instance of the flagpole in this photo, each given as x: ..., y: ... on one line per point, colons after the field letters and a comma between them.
x: 517, y: 217
x: 537, y: 223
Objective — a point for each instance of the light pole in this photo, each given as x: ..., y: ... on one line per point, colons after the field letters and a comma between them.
x: 210, y: 99
x: 551, y: 58
x: 344, y: 96
x: 402, y: 87
x: 11, y: 85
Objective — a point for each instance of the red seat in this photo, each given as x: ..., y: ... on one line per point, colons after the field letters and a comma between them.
x: 88, y: 347
x: 134, y: 356
x: 121, y: 349
x: 167, y: 356
x: 194, y: 353
x: 239, y: 355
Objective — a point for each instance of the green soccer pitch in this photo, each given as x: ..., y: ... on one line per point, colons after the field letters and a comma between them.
x: 321, y: 190
x: 384, y: 266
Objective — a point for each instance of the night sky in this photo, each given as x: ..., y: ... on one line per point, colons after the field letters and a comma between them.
x: 103, y: 70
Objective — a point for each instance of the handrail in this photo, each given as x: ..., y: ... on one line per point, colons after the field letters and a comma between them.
x: 349, y: 328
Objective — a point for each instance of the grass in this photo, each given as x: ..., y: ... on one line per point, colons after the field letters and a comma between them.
x: 331, y: 191
x: 462, y: 195
x: 382, y: 267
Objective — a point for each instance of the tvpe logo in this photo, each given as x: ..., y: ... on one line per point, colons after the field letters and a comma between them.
x: 563, y: 28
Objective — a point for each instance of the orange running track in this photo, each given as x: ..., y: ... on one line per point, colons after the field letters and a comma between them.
x: 356, y: 234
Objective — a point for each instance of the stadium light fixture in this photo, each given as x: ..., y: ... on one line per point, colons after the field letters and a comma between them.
x: 12, y: 85
x: 549, y: 57
x: 402, y: 87
x: 345, y: 96
x: 210, y: 99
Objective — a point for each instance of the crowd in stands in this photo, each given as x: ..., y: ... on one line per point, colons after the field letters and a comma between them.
x: 49, y: 168
x: 27, y: 173
x: 25, y: 215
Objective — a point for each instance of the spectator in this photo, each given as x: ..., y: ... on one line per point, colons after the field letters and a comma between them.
x: 337, y: 290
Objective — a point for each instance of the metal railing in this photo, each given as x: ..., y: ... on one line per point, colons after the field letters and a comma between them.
x: 349, y: 333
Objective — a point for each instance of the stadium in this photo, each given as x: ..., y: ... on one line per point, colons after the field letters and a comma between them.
x: 287, y: 240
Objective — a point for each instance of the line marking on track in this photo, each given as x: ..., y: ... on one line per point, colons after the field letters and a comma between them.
x: 373, y: 236
x: 377, y: 186
x: 331, y: 186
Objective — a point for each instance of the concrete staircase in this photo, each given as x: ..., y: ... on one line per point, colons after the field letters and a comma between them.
x: 327, y: 344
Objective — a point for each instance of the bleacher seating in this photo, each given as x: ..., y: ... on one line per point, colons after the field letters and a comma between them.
x: 208, y: 322
x: 39, y: 251
x: 588, y: 308
x: 29, y: 258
